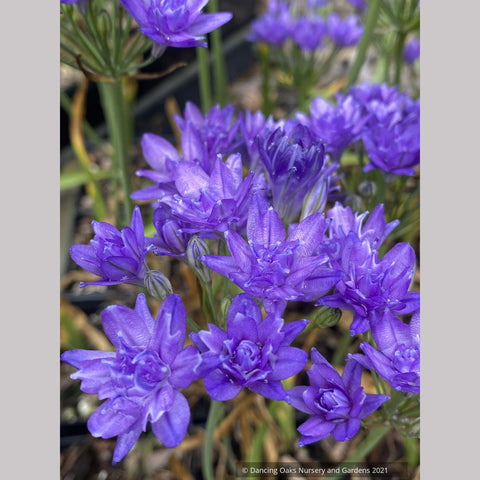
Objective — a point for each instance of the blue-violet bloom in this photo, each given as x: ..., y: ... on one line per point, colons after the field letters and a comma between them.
x: 272, y: 267
x: 293, y: 162
x: 411, y: 51
x: 115, y: 256
x: 211, y: 202
x: 251, y: 353
x: 344, y: 32
x: 142, y: 378
x: 337, y: 404
x: 397, y: 357
x: 175, y: 23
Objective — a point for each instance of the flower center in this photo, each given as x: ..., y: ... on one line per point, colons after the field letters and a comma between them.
x: 334, y: 403
x: 406, y: 358
x: 150, y: 370
x: 246, y: 356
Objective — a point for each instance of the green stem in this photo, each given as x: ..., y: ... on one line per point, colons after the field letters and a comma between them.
x: 264, y: 52
x: 204, y: 78
x: 116, y: 116
x: 401, y: 36
x: 370, y: 22
x: 342, y: 348
x: 214, y: 415
x: 219, y: 68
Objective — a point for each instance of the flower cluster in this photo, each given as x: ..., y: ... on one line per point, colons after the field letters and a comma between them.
x: 384, y: 119
x: 260, y: 189
x: 305, y: 25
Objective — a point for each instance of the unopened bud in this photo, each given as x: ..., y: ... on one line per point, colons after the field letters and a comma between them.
x: 196, y: 248
x: 157, y: 284
x: 367, y: 189
x: 326, y: 316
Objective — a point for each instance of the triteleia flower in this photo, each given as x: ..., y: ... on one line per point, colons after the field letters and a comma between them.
x: 251, y: 353
x: 274, y: 26
x: 163, y: 158
x: 391, y: 134
x: 411, y: 51
x: 309, y: 32
x: 175, y: 23
x: 371, y: 287
x: 293, y: 162
x: 336, y: 126
x: 337, y: 404
x: 374, y: 230
x: 210, y: 202
x: 272, y: 267
x: 115, y: 256
x: 397, y: 357
x: 344, y: 32
x: 142, y: 378
x: 252, y: 124
x: 206, y: 136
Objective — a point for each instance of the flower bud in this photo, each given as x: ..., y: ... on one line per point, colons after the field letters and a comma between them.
x: 196, y: 248
x: 326, y: 316
x: 316, y: 198
x: 157, y: 284
x: 367, y: 189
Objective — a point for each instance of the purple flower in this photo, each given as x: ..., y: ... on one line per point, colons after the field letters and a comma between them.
x: 210, y: 202
x: 372, y: 288
x: 337, y: 404
x: 391, y: 134
x: 115, y: 256
x: 206, y: 136
x: 335, y: 126
x: 397, y: 357
x: 374, y: 230
x: 309, y: 33
x: 175, y: 23
x: 251, y: 353
x: 170, y: 239
x: 274, y: 26
x: 163, y: 157
x: 251, y: 125
x: 273, y: 268
x: 344, y: 32
x: 141, y: 379
x: 411, y: 51
x: 293, y: 162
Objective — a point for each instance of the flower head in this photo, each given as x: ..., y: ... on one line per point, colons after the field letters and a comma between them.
x: 274, y: 26
x: 336, y: 126
x: 397, y: 357
x: 337, y: 404
x: 293, y: 162
x: 411, y: 51
x: 309, y: 32
x: 210, y: 202
x: 206, y: 136
x: 251, y: 353
x: 115, y: 256
x: 344, y: 32
x: 273, y: 267
x: 175, y: 23
x: 141, y: 379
